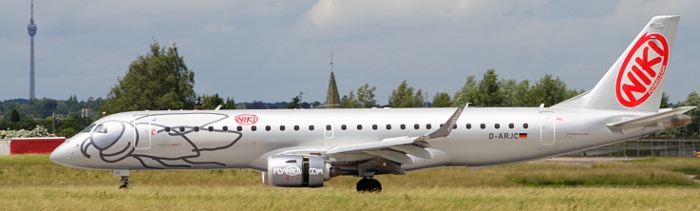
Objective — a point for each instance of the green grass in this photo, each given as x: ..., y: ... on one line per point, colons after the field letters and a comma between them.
x: 32, y: 182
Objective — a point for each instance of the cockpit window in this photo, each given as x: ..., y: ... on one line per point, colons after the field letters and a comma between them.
x: 100, y: 129
x: 88, y: 128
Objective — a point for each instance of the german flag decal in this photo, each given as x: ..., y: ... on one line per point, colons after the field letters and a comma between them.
x: 522, y: 136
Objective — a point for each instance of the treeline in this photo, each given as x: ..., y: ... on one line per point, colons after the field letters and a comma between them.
x: 60, y: 117
x: 490, y: 91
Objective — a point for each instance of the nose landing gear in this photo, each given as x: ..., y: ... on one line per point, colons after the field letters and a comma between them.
x: 368, y: 185
x: 125, y: 182
x: 124, y: 173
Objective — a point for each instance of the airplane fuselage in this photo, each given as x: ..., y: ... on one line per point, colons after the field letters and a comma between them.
x: 481, y: 136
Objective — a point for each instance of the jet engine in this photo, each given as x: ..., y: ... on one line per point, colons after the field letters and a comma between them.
x: 296, y: 171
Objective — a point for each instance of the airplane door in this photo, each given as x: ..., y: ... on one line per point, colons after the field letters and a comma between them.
x: 547, y: 128
x: 328, y: 132
x: 143, y: 132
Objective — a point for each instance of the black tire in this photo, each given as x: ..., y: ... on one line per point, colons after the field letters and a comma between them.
x: 361, y: 185
x: 374, y: 186
x: 366, y: 185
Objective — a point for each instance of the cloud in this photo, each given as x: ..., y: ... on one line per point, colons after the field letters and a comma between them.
x: 330, y: 13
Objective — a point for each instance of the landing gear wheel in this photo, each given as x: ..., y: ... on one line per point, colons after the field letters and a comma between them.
x: 368, y: 185
x: 125, y: 182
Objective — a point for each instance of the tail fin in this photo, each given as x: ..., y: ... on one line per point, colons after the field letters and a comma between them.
x: 635, y: 82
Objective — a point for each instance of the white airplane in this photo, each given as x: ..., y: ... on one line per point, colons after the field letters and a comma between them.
x: 304, y: 148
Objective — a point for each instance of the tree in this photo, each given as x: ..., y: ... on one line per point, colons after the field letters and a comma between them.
x: 230, y: 103
x: 507, y: 89
x: 548, y: 91
x: 296, y: 103
x: 348, y: 101
x: 521, y: 95
x: 404, y: 97
x: 158, y: 80
x: 14, y: 116
x: 365, y: 96
x: 466, y: 93
x: 664, y: 100
x: 207, y: 102
x: 693, y: 99
x: 442, y: 99
x: 488, y: 93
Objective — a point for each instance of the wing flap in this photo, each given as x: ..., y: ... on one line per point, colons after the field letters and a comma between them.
x: 385, y: 143
x: 414, y: 150
x: 392, y: 156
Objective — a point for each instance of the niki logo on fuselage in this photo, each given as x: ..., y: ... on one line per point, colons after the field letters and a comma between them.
x: 151, y: 139
x: 642, y: 70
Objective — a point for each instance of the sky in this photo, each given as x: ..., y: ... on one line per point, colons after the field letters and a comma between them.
x: 273, y: 50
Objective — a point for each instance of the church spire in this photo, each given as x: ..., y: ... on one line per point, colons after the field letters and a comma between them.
x: 333, y: 99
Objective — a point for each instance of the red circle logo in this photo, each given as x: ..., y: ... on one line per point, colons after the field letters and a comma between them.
x: 642, y: 70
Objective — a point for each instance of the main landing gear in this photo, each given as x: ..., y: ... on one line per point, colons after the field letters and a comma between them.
x: 369, y: 185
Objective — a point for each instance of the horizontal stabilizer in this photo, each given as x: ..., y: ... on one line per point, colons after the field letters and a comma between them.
x: 650, y: 119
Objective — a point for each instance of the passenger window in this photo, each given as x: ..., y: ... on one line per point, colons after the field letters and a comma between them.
x: 343, y: 127
x: 454, y: 126
x: 282, y: 128
x: 359, y: 127
x: 374, y: 127
x: 182, y: 128
x: 497, y: 126
x: 311, y: 127
x: 403, y: 126
x: 416, y: 126
x: 253, y: 128
x: 328, y: 127
x: 428, y: 126
x: 210, y: 128
x: 225, y: 128
x: 388, y: 126
x: 296, y: 127
x: 511, y: 125
x: 483, y: 126
x: 268, y: 128
x: 469, y: 125
x: 525, y: 125
x: 167, y: 129
x: 239, y: 128
x: 196, y: 128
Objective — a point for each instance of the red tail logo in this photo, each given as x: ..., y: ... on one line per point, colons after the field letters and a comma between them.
x: 642, y: 70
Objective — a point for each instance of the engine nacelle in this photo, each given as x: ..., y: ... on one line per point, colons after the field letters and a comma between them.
x: 296, y: 171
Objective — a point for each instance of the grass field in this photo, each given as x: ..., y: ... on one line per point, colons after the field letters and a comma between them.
x: 32, y: 182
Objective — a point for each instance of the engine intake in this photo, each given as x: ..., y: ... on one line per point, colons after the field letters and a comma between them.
x: 296, y: 171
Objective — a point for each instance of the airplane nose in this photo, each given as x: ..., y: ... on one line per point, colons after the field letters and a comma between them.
x: 58, y: 154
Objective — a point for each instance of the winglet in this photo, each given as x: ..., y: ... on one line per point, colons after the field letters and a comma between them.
x: 446, y: 128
